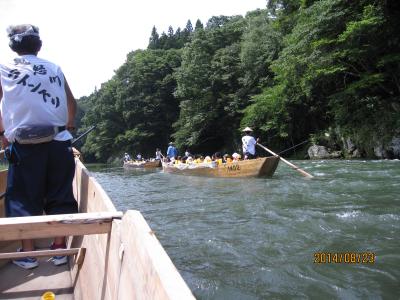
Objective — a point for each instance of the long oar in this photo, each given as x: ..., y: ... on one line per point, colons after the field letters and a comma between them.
x: 83, y: 134
x: 304, y: 173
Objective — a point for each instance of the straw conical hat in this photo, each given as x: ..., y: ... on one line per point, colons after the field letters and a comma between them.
x: 247, y: 129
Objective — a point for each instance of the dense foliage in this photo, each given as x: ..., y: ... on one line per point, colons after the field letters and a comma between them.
x: 291, y: 71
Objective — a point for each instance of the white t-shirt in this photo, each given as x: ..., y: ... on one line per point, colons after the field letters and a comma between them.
x: 33, y: 94
x: 249, y: 144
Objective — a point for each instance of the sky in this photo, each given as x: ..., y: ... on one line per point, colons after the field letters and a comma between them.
x: 90, y: 39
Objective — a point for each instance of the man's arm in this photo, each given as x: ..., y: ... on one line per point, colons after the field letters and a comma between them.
x: 1, y: 119
x: 71, y: 104
x: 3, y: 139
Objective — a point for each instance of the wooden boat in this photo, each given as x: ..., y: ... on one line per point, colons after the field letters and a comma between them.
x: 142, y: 164
x: 258, y: 167
x: 111, y: 255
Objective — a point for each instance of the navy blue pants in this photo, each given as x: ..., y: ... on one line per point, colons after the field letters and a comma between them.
x: 40, y: 180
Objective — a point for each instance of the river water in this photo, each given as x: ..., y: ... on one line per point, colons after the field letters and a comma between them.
x: 258, y: 238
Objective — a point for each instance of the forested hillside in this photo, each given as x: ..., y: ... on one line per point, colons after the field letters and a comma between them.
x: 327, y: 71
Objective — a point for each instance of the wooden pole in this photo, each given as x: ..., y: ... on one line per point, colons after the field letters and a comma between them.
x: 304, y: 173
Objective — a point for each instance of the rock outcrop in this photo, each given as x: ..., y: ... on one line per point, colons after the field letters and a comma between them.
x: 321, y: 152
x: 390, y: 151
x: 350, y: 149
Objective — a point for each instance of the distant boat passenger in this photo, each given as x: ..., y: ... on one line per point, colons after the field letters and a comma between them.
x: 187, y: 153
x: 158, y: 154
x: 236, y: 156
x: 127, y: 157
x: 172, y: 152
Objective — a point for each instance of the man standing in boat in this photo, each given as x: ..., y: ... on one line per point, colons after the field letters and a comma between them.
x: 37, y: 115
x: 158, y: 154
x: 172, y: 152
x: 248, y: 144
x: 127, y: 157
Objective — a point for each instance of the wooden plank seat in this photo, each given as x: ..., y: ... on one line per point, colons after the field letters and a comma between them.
x: 46, y: 226
x: 78, y: 252
x: 40, y: 253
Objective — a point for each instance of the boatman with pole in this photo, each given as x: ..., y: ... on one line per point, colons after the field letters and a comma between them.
x: 172, y: 152
x: 248, y: 144
x: 37, y: 115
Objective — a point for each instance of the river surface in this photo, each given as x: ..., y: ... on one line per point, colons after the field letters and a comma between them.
x: 259, y: 238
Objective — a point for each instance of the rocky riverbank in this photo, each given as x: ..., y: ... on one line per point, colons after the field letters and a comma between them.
x: 349, y: 150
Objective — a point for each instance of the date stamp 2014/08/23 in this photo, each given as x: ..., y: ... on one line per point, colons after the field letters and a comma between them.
x: 344, y: 257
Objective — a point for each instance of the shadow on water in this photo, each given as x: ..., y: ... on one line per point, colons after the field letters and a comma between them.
x: 256, y: 238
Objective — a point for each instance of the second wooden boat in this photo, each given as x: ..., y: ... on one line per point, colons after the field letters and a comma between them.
x: 258, y: 167
x: 142, y: 164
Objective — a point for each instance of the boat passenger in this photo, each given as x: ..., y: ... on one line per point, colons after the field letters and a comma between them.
x: 236, y: 156
x: 217, y: 158
x: 158, y: 154
x: 198, y: 159
x: 248, y: 144
x: 127, y: 157
x: 178, y: 160
x: 37, y: 114
x: 207, y: 159
x: 227, y: 158
x: 172, y: 152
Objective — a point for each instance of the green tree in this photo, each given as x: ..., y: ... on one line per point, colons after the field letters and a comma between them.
x: 135, y: 110
x: 337, y: 69
x: 207, y: 81
x: 186, y: 33
x: 102, y: 113
x: 154, y: 42
x: 295, y: 69
x: 189, y: 27
x: 260, y: 46
x: 145, y: 99
x: 199, y: 25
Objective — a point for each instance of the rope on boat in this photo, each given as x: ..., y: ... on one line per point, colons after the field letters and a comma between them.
x: 295, y: 146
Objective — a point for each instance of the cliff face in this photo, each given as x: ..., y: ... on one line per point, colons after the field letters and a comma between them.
x: 350, y: 150
x: 388, y: 151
